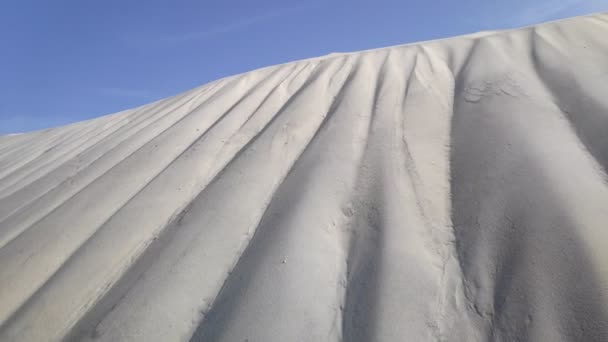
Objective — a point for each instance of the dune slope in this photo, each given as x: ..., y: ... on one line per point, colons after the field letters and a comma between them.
x: 452, y: 190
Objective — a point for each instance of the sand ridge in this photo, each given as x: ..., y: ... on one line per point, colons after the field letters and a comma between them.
x: 453, y: 190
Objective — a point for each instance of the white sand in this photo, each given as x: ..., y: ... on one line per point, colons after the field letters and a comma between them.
x: 452, y: 190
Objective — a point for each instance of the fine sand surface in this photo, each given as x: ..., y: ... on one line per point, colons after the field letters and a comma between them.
x: 452, y: 190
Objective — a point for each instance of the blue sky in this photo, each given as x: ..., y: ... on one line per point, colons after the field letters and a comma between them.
x: 68, y: 60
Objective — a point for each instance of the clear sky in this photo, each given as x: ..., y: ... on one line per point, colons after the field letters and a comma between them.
x: 68, y: 60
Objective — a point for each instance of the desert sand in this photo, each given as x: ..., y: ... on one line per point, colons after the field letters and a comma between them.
x: 451, y: 190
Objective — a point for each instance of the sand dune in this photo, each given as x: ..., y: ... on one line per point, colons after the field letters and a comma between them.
x: 452, y: 190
